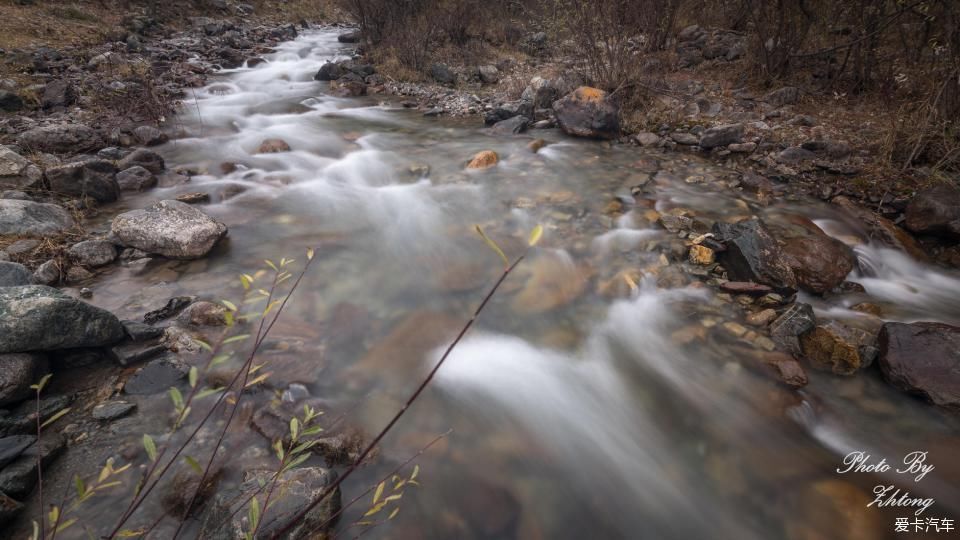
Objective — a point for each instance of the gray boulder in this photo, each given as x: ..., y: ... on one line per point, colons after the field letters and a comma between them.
x: 488, y: 74
x: 61, y: 139
x: 13, y: 275
x: 17, y: 372
x: 443, y: 74
x: 93, y: 252
x: 722, y: 136
x: 94, y: 178
x: 58, y: 94
x: 136, y: 178
x: 41, y: 318
x: 169, y: 228
x: 28, y: 218
x: 17, y: 172
x: 511, y: 126
x: 147, y: 159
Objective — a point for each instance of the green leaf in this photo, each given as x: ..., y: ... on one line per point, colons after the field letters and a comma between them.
x: 177, y: 398
x: 314, y: 430
x: 220, y: 358
x: 192, y: 376
x: 294, y: 428
x: 270, y: 264
x: 79, y: 485
x: 233, y: 339
x: 54, y: 515
x: 63, y: 526
x: 230, y: 305
x: 535, y: 235
x: 416, y: 471
x: 193, y: 464
x: 208, y: 391
x: 127, y: 533
x: 246, y: 281
x: 150, y: 447
x: 203, y: 345
x: 296, y: 461
x: 278, y: 448
x: 394, y: 513
x: 254, y: 513
x: 42, y: 383
x: 59, y: 414
x: 492, y: 245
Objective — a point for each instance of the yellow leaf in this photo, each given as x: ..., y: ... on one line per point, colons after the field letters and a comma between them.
x: 55, y: 417
x: 310, y: 254
x: 394, y: 513
x: 492, y: 245
x: 378, y: 493
x: 230, y: 305
x: 535, y: 235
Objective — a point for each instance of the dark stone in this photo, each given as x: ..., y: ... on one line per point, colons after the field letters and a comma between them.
x: 936, y: 211
x: 157, y: 376
x: 818, y: 261
x: 880, y: 229
x: 23, y: 419
x: 61, y: 139
x: 94, y: 178
x: 10, y: 101
x: 922, y: 358
x: 787, y: 95
x: 58, y: 94
x: 11, y: 447
x: 13, y: 274
x: 796, y: 321
x: 129, y: 354
x: 17, y: 372
x: 508, y: 110
x: 9, y: 508
x: 147, y: 159
x: 794, y: 154
x: 330, y: 71
x: 722, y: 136
x: 136, y: 178
x: 28, y: 313
x: 745, y: 287
x: 173, y: 307
x: 111, y: 410
x: 443, y: 74
x: 753, y: 254
x: 588, y: 112
x: 19, y: 478
x: 511, y: 126
x: 139, y: 332
x: 150, y: 136
x: 349, y: 37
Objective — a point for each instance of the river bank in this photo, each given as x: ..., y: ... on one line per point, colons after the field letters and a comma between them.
x: 674, y: 308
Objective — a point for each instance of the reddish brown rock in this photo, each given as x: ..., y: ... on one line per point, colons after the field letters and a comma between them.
x: 484, y: 160
x: 881, y: 229
x: 922, y: 358
x: 818, y: 261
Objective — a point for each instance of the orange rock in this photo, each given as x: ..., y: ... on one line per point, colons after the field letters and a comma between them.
x: 273, y: 146
x: 484, y: 160
x: 589, y: 94
x: 536, y: 144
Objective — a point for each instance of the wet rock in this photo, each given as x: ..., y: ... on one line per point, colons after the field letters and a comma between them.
x: 761, y: 318
x: 184, y: 495
x: 205, y: 314
x: 17, y: 172
x: 19, y: 478
x: 194, y: 198
x: 837, y: 348
x: 753, y: 254
x: 169, y: 228
x: 136, y: 178
x: 348, y: 87
x: 881, y: 229
x: 13, y: 274
x: 754, y: 183
x: 349, y: 37
x: 787, y: 95
x: 796, y: 321
x: 10, y: 101
x: 484, y: 160
x: 935, y: 210
x: 58, y: 94
x: 511, y: 126
x: 818, y: 261
x: 148, y: 159
x: 550, y: 283
x: 273, y: 146
x: 173, y: 307
x: 95, y: 178
x: 508, y: 110
x: 302, y: 486
x: 27, y: 314
x: 536, y: 145
x: 922, y: 358
x: 47, y: 273
x: 23, y: 419
x: 330, y: 71
x: 128, y: 354
x: 443, y: 74
x: 702, y: 255
x: 11, y: 447
x: 150, y: 136
x: 834, y: 508
x: 17, y: 373
x: 61, y: 139
x: 745, y: 287
x: 111, y: 410
x: 93, y: 252
x: 781, y: 366
x: 722, y: 135
x: 588, y: 112
x: 157, y: 376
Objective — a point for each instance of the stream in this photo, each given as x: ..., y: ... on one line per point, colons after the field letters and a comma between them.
x: 576, y: 410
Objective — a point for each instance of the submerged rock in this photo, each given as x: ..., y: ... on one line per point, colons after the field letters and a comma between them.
x: 28, y: 314
x: 157, y: 376
x: 169, y: 228
x: 484, y: 160
x: 922, y: 358
x: 588, y: 112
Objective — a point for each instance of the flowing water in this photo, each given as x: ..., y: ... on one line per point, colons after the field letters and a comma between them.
x: 577, y: 410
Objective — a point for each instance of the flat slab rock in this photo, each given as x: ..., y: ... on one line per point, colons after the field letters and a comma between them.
x: 28, y: 218
x: 923, y: 358
x: 169, y: 228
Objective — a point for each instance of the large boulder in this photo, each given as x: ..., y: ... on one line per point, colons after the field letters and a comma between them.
x: 935, y: 210
x: 61, y: 139
x: 169, y: 228
x: 753, y: 254
x: 28, y: 218
x: 818, y: 261
x: 41, y: 318
x: 13, y: 274
x: 588, y: 112
x: 922, y: 358
x: 94, y: 178
x: 17, y: 372
x: 17, y: 172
